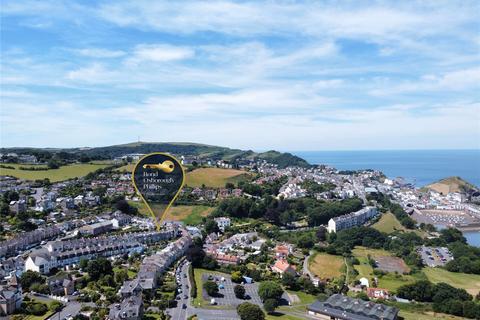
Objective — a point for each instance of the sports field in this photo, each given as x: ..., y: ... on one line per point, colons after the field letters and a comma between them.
x: 325, y: 266
x: 63, y: 173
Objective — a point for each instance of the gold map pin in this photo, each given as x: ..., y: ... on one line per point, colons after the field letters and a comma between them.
x: 158, y: 178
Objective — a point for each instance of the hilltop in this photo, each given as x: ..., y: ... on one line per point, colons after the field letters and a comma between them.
x: 452, y: 184
x: 202, y: 151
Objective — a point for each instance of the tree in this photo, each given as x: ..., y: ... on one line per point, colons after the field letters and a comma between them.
x: 305, y: 241
x: 270, y: 305
x: 83, y: 264
x: 30, y: 277
x: 211, y: 288
x: 321, y: 233
x: 249, y: 311
x: 289, y: 281
x: 270, y: 290
x: 121, y: 276
x: 55, y: 306
x: 211, y: 226
x: 237, y: 277
x: 98, y: 268
x: 239, y: 291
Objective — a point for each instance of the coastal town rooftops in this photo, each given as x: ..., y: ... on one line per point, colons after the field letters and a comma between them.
x: 343, y: 307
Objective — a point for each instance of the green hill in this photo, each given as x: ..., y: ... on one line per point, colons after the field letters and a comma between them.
x: 452, y: 184
x: 203, y: 151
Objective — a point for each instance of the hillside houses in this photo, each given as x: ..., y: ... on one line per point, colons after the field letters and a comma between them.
x: 231, y: 250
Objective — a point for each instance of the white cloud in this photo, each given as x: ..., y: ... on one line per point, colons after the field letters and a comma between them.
x: 160, y: 53
x: 100, y: 53
x: 457, y: 80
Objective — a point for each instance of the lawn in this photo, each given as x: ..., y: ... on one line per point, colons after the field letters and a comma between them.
x: 325, y: 266
x: 45, y: 316
x: 388, y: 223
x: 63, y: 173
x: 131, y: 274
x: 191, y: 215
x: 469, y: 282
x: 390, y: 281
x: 214, y: 177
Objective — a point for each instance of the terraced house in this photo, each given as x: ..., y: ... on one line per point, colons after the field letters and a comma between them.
x: 59, y: 254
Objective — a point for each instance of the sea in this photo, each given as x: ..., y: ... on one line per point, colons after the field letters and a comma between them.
x: 420, y: 167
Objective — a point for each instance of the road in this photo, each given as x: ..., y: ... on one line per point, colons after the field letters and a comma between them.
x: 305, y: 266
x: 181, y: 274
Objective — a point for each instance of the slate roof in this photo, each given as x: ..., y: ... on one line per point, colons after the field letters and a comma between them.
x: 343, y: 307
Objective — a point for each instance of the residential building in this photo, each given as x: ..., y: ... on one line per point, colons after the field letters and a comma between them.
x: 59, y: 254
x: 130, y: 308
x: 342, y: 307
x: 10, y: 299
x: 351, y: 220
x: 61, y: 285
x: 281, y: 266
x: 377, y: 293
x: 96, y: 228
x: 223, y: 223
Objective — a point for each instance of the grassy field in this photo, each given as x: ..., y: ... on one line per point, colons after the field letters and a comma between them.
x: 390, y: 281
x: 388, y: 223
x: 408, y: 315
x: 60, y: 174
x: 214, y: 177
x: 469, y: 282
x: 325, y: 266
x: 190, y: 215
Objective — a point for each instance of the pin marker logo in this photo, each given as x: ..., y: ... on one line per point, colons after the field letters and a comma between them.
x: 158, y: 178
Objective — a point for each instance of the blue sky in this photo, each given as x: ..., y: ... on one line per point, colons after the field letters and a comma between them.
x: 287, y: 75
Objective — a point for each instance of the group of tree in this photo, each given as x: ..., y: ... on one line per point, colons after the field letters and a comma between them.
x: 283, y: 212
x: 34, y: 281
x: 270, y: 292
x: 97, y: 268
x: 445, y: 298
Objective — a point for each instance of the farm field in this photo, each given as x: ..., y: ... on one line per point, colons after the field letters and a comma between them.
x: 469, y: 282
x: 326, y: 266
x: 390, y: 281
x: 388, y: 223
x: 214, y: 177
x: 54, y: 175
